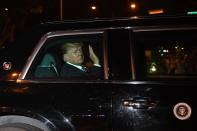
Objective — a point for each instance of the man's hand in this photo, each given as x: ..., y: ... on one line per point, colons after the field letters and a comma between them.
x: 93, y: 56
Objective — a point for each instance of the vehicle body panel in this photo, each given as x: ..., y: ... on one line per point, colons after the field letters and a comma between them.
x: 124, y: 100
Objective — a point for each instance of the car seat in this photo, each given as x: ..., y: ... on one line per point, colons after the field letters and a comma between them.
x: 47, y: 67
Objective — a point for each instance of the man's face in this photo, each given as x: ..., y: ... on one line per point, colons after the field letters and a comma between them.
x: 74, y: 54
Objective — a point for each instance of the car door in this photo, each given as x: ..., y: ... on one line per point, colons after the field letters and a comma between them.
x: 160, y: 96
x: 79, y: 102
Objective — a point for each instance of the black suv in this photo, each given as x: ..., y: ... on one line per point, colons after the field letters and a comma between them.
x: 146, y: 79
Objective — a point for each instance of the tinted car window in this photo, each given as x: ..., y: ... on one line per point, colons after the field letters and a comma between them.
x: 70, y: 57
x: 167, y: 53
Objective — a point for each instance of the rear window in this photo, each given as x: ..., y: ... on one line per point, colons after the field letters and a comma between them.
x: 171, y: 53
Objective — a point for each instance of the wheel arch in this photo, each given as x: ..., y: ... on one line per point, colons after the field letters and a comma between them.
x: 10, y: 116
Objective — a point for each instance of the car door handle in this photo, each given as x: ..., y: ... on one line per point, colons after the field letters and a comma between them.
x: 139, y: 103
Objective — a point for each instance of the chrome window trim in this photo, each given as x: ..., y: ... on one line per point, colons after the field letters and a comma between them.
x: 42, y: 41
x: 163, y: 28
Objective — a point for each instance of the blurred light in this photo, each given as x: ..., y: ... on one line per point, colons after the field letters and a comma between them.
x: 14, y: 74
x: 20, y: 90
x: 192, y: 13
x: 6, y: 9
x: 18, y: 81
x: 134, y: 17
x: 126, y: 103
x: 153, y: 67
x: 157, y: 11
x: 165, y: 51
x: 133, y: 5
x: 93, y: 7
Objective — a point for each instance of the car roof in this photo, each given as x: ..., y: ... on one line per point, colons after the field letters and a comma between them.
x: 119, y: 22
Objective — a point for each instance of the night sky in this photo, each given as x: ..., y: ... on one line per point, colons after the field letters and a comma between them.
x: 26, y: 13
x: 76, y: 9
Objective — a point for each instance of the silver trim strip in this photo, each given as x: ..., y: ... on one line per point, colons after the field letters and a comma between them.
x: 105, y: 57
x: 133, y: 70
x: 163, y: 28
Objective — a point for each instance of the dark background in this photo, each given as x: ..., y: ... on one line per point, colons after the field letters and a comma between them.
x: 17, y: 16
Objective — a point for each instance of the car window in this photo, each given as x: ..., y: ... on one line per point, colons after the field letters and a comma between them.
x: 170, y: 54
x: 69, y: 57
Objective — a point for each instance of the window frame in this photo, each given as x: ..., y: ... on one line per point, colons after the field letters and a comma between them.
x: 143, y: 75
x: 29, y: 64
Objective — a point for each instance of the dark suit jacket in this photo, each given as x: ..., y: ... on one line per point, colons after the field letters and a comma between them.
x: 71, y: 71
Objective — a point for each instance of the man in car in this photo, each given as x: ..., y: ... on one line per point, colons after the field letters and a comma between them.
x: 73, y: 65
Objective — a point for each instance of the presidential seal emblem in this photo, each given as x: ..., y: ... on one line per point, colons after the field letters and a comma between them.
x: 7, y: 65
x: 182, y: 111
